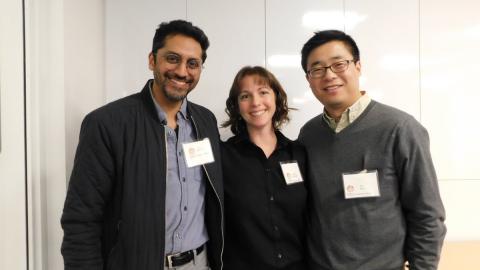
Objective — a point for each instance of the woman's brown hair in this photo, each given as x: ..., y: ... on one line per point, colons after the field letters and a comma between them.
x: 235, y: 121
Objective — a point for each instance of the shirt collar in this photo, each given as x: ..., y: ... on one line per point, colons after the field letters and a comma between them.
x: 349, y: 115
x: 161, y: 113
x: 243, y: 137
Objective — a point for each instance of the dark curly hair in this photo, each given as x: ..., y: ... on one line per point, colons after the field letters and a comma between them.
x: 235, y: 121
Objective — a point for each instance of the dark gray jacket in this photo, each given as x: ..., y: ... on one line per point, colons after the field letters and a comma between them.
x: 114, y: 213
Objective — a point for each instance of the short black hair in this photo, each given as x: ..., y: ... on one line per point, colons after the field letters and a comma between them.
x: 322, y: 37
x: 180, y: 27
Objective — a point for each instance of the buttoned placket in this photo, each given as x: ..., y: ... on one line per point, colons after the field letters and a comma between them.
x: 269, y: 170
x: 182, y: 169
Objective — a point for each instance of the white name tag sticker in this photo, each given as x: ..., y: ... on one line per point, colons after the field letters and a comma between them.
x: 363, y: 184
x: 198, y: 153
x: 291, y: 172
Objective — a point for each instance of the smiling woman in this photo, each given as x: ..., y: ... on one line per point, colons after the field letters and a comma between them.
x: 256, y: 103
x: 259, y: 82
x: 265, y: 195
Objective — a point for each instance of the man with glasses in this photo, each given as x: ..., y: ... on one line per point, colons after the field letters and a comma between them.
x: 146, y: 188
x: 375, y: 203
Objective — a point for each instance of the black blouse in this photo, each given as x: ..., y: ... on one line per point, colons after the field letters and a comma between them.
x: 265, y: 218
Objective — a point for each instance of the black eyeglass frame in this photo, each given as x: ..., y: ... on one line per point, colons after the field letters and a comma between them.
x: 323, y: 70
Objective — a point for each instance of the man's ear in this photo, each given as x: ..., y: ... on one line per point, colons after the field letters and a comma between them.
x: 308, y: 80
x: 151, y: 61
x: 358, y: 66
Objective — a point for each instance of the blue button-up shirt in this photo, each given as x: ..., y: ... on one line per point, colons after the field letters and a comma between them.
x: 184, y: 203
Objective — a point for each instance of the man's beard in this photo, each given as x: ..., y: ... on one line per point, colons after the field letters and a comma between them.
x: 171, y: 95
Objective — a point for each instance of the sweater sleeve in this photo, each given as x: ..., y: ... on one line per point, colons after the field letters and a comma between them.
x: 420, y: 197
x: 88, y: 191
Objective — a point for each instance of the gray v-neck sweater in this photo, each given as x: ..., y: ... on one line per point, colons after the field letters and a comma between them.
x: 378, y: 233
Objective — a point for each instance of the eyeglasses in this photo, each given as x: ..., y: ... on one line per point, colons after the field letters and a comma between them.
x: 337, y: 67
x: 175, y: 59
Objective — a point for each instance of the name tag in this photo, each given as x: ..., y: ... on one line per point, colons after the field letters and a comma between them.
x: 291, y: 172
x: 363, y: 184
x: 198, y: 153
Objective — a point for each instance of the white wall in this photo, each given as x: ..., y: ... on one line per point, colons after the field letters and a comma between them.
x: 449, y: 42
x: 65, y: 80
x: 13, y: 224
x: 46, y: 129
